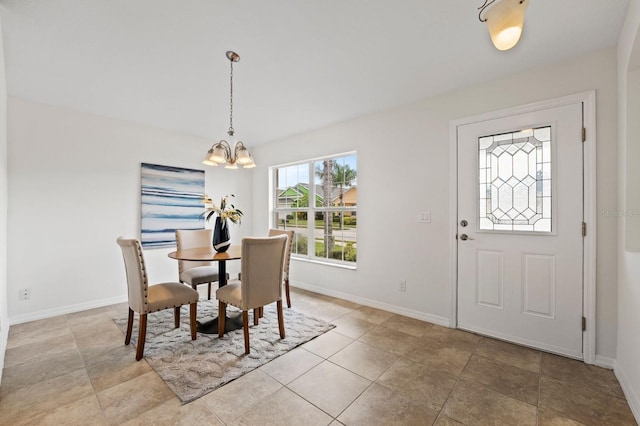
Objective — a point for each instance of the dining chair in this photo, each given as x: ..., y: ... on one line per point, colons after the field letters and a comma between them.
x: 261, y: 284
x: 196, y: 273
x: 145, y: 298
x: 287, y: 258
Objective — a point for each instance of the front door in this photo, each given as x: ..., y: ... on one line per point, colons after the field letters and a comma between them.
x: 520, y: 239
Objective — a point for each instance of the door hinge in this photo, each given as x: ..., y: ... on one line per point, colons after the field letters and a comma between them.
x: 584, y: 229
x: 584, y: 324
x: 584, y: 134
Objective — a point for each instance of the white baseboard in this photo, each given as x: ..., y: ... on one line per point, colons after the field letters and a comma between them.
x: 48, y: 313
x: 605, y: 362
x: 632, y: 398
x: 435, y: 319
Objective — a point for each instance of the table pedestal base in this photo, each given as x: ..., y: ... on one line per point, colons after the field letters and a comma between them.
x: 209, y: 325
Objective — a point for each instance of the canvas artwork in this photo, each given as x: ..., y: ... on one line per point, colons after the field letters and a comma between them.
x: 171, y: 198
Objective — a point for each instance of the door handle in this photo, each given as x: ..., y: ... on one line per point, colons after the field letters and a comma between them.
x: 465, y: 237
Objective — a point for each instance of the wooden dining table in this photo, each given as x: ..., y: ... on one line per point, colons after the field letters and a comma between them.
x: 209, y: 325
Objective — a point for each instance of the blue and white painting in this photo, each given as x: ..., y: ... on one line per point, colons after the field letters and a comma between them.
x: 171, y: 199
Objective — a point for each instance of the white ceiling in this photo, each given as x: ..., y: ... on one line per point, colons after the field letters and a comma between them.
x: 304, y: 64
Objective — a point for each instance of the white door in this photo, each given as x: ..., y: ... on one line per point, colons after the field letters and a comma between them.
x: 520, y: 215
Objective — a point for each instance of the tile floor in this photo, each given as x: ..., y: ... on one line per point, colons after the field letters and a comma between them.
x: 363, y: 372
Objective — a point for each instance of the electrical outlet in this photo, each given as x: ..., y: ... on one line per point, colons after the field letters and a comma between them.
x: 24, y: 294
x: 424, y: 217
x: 402, y: 286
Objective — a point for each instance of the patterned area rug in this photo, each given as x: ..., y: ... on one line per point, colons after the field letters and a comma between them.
x: 193, y: 368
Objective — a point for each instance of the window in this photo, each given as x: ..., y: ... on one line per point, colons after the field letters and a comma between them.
x: 318, y: 200
x: 515, y: 181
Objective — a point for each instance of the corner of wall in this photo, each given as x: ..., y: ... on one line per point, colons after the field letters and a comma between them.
x: 4, y: 321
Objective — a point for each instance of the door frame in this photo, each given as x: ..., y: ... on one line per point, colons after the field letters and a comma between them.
x: 589, y: 210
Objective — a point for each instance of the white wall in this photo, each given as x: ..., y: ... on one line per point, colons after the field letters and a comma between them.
x: 74, y: 187
x: 627, y: 365
x: 4, y: 322
x: 403, y: 168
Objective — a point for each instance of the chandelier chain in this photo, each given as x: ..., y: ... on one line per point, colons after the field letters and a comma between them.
x: 231, y: 131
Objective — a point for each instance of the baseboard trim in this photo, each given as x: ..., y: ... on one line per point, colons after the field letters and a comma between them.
x: 605, y: 362
x: 632, y: 398
x: 69, y: 309
x: 435, y: 319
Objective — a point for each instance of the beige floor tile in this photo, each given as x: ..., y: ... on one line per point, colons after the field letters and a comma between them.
x: 118, y: 365
x: 508, y: 353
x: 446, y: 421
x: 59, y: 364
x: 36, y: 331
x: 511, y: 381
x: 351, y: 326
x: 329, y: 387
x: 47, y: 346
x: 473, y: 404
x: 586, y: 405
x: 328, y: 344
x: 365, y: 360
x: 35, y: 400
x: 407, y: 325
x: 291, y: 365
x: 418, y: 382
x: 390, y: 340
x: 105, y: 311
x: 381, y: 406
x: 321, y: 309
x: 241, y: 395
x: 283, y: 408
x: 85, y: 411
x: 130, y: 399
x: 376, y: 316
x: 573, y: 371
x: 448, y: 359
x: 173, y: 413
x: 548, y: 418
x: 444, y: 336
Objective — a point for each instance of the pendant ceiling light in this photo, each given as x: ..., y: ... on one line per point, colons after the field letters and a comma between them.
x: 504, y: 19
x: 221, y: 152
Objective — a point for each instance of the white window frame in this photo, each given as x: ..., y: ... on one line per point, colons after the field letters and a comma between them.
x: 311, y: 211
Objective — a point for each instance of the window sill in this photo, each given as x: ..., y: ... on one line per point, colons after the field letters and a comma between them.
x: 321, y: 262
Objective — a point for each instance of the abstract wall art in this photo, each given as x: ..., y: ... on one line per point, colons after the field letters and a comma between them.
x: 171, y: 198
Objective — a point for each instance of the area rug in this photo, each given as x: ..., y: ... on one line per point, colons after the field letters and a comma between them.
x: 193, y: 368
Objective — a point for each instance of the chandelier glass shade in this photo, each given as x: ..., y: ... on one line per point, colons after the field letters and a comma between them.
x: 221, y: 152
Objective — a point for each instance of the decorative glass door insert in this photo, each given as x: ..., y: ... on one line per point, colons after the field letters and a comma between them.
x: 515, y: 181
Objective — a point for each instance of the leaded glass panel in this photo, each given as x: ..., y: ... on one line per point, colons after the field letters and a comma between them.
x: 515, y: 181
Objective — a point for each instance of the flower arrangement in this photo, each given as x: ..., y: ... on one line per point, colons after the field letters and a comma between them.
x: 225, y: 210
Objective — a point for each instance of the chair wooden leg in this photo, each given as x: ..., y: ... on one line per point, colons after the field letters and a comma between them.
x: 142, y: 334
x: 286, y: 291
x: 176, y: 317
x: 261, y: 311
x: 127, y: 338
x: 245, y: 326
x: 193, y: 310
x: 222, y: 312
x: 209, y: 292
x: 256, y: 315
x: 280, y: 319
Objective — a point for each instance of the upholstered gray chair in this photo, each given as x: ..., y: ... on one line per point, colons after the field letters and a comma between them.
x: 145, y: 298
x: 261, y: 284
x: 196, y: 273
x: 287, y: 259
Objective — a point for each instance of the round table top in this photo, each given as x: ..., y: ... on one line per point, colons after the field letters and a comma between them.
x: 205, y: 254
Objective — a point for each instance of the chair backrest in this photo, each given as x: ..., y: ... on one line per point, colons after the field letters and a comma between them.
x: 188, y: 239
x: 287, y: 251
x: 262, y: 264
x: 137, y: 281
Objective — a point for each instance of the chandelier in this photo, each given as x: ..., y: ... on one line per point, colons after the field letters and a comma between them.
x: 221, y: 152
x: 504, y: 19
